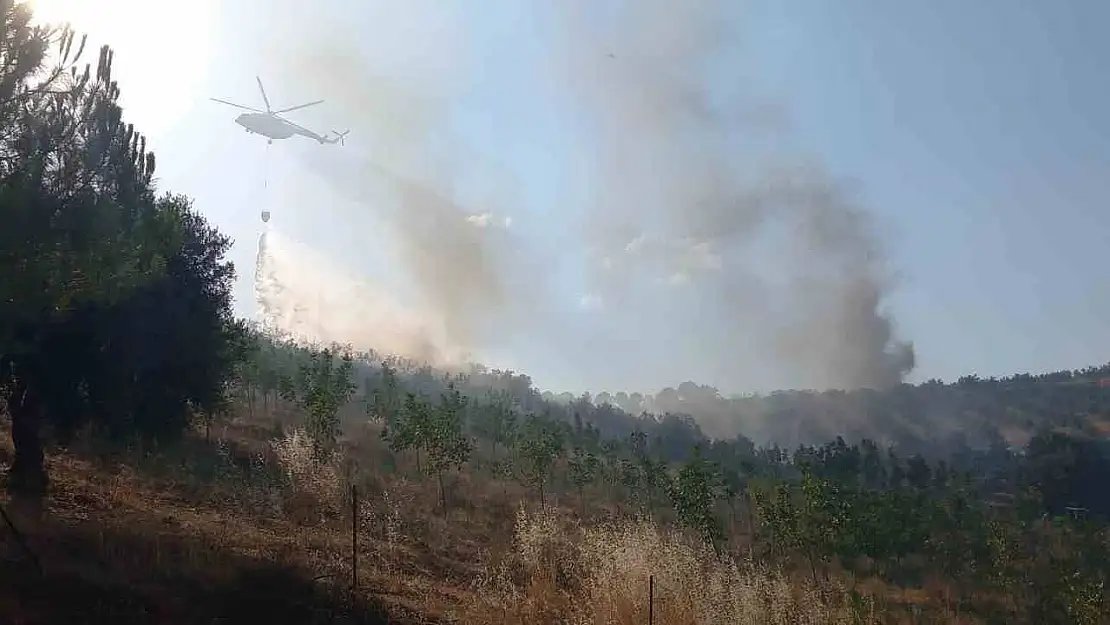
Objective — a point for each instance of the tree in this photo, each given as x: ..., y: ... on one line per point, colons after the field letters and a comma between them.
x: 321, y: 387
x: 443, y: 438
x: 695, y: 494
x: 779, y: 515
x: 821, y: 519
x: 386, y: 405
x: 956, y: 542
x: 539, y: 446
x: 409, y: 430
x: 168, y: 349
x: 81, y: 227
x: 1069, y: 471
x: 584, y: 466
x: 495, y: 421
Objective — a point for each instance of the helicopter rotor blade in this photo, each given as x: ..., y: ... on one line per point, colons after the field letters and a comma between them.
x: 264, y: 97
x: 238, y: 106
x: 299, y: 106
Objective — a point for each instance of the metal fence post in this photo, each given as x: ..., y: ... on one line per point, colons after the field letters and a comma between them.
x: 354, y: 539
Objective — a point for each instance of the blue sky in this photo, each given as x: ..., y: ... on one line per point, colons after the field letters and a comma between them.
x: 979, y: 132
x: 976, y: 132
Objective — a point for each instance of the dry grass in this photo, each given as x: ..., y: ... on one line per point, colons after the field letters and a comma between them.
x: 559, y: 572
x: 237, y: 529
x: 314, y: 488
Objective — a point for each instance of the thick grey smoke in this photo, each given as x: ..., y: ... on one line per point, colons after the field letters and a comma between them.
x: 685, y: 196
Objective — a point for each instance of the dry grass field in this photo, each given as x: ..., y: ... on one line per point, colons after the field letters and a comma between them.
x: 239, y: 529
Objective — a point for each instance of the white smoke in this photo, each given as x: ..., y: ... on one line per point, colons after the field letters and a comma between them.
x: 306, y: 296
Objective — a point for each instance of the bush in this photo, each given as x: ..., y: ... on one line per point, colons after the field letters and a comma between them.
x: 314, y: 485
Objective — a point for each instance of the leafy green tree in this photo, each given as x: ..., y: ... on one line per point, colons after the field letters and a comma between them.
x: 261, y: 372
x: 584, y: 466
x: 822, y: 519
x: 779, y: 517
x: 322, y: 386
x: 386, y: 402
x: 630, y: 476
x: 695, y: 494
x: 496, y: 422
x: 1069, y: 471
x: 410, y: 426
x: 610, y: 468
x: 655, y: 481
x: 539, y: 447
x: 443, y: 438
x: 956, y: 543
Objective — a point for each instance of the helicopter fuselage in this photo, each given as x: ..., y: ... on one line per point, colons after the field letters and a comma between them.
x: 266, y: 125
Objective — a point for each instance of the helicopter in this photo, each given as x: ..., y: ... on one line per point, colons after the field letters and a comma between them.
x: 269, y: 124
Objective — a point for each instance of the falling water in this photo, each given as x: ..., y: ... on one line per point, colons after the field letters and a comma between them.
x: 303, y: 295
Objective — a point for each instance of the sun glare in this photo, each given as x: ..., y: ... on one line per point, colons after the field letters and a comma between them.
x: 162, y: 50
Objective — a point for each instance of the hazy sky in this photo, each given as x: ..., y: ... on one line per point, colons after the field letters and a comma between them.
x: 976, y: 132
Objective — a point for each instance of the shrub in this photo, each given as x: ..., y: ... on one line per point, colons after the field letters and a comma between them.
x: 312, y: 482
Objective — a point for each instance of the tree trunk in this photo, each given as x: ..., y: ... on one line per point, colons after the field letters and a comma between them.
x: 442, y: 493
x: 813, y: 567
x: 748, y: 507
x: 27, y: 477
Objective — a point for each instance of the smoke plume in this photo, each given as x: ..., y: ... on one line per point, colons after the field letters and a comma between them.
x: 404, y: 166
x: 747, y: 257
x: 304, y: 295
x: 685, y: 197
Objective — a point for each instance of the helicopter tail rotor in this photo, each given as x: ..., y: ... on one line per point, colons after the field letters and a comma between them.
x: 338, y: 137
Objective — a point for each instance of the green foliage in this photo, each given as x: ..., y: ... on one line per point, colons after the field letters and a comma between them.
x: 443, y: 438
x: 438, y: 431
x: 75, y: 183
x: 322, y: 385
x: 976, y: 518
x: 539, y: 446
x: 779, y: 517
x: 496, y: 421
x: 695, y: 494
x: 115, y: 303
x: 386, y: 403
x: 583, y: 468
